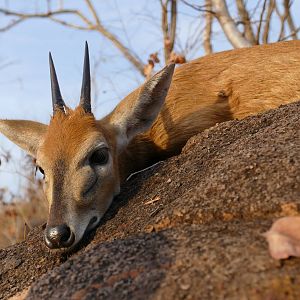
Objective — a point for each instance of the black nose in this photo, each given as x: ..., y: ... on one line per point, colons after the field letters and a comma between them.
x: 59, y: 236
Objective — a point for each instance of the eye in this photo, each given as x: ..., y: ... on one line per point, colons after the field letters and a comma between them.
x: 99, y: 157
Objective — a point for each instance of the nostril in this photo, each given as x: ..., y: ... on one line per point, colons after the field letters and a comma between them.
x: 65, y: 233
x: 59, y: 236
x: 93, y: 220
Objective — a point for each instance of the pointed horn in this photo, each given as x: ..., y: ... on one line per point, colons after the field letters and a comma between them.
x: 85, y: 97
x: 57, y: 100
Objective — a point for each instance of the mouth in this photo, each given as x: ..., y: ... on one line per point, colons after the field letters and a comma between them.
x: 86, y: 238
x: 94, y: 222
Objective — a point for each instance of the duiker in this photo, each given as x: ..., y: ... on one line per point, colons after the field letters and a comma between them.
x: 84, y: 160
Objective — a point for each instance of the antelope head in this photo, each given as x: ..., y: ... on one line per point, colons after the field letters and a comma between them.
x: 79, y: 156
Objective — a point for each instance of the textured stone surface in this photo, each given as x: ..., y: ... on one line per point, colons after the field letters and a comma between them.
x: 189, y: 228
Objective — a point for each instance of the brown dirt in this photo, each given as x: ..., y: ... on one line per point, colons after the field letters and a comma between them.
x: 189, y: 228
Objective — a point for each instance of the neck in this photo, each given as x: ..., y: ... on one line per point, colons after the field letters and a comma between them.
x: 141, y: 152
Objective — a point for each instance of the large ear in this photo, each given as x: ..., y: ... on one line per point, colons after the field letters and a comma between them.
x: 26, y: 134
x: 135, y: 115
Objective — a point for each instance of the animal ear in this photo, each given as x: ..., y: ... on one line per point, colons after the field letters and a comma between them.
x: 134, y: 116
x: 26, y: 134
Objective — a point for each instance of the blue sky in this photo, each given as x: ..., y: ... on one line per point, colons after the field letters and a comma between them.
x: 25, y: 85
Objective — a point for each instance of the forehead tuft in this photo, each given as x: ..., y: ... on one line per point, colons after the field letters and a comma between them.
x: 67, y: 131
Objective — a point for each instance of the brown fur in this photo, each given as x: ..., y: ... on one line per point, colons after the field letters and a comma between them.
x: 66, y: 132
x: 209, y: 90
x: 213, y: 89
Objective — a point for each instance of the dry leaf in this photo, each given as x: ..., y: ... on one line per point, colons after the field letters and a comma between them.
x: 154, y: 57
x: 148, y: 69
x: 177, y: 58
x: 284, y: 238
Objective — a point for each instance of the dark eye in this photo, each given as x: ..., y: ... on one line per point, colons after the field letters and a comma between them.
x: 99, y: 157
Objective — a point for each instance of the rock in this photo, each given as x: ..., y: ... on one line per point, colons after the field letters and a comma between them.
x: 201, y: 240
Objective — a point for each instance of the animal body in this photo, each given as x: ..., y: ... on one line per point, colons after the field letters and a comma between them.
x: 84, y: 160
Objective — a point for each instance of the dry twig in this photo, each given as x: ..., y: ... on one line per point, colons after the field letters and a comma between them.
x: 245, y: 19
x: 90, y: 25
x: 228, y: 25
x: 208, y: 28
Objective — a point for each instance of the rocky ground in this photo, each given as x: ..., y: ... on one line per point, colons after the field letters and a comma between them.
x: 188, y: 228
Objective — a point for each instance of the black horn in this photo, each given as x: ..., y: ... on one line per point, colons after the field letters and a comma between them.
x: 85, y: 97
x: 57, y: 100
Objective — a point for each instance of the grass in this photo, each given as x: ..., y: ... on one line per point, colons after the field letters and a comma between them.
x: 22, y: 213
x: 19, y: 217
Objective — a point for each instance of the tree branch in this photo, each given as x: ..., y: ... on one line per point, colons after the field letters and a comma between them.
x: 12, y: 24
x: 229, y: 27
x: 249, y: 35
x: 208, y: 28
x: 271, y: 7
x: 173, y: 22
x: 290, y: 20
x: 46, y: 15
x: 290, y: 35
x: 202, y: 8
x: 260, y: 22
x: 169, y: 30
x: 165, y: 29
x: 137, y: 63
x: 71, y: 25
x: 282, y: 18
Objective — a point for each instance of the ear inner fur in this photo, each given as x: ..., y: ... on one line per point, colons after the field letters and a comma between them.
x: 26, y: 134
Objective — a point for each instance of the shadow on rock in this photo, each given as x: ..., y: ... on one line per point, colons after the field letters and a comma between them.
x: 123, y: 269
